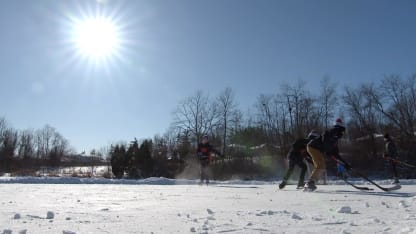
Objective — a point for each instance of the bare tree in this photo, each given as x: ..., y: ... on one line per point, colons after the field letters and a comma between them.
x: 3, y: 127
x: 365, y: 117
x: 44, y: 141
x: 26, y: 144
x: 401, y: 102
x: 8, y: 145
x: 228, y: 113
x: 396, y: 100
x: 328, y: 100
x: 301, y: 107
x: 196, y: 115
x: 50, y: 144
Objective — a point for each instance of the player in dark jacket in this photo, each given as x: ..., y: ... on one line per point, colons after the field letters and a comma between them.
x: 204, y: 153
x: 296, y: 156
x: 327, y: 144
x: 390, y: 152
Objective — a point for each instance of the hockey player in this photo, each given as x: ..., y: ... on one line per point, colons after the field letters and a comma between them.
x: 327, y: 144
x: 204, y: 153
x: 390, y: 153
x: 295, y: 156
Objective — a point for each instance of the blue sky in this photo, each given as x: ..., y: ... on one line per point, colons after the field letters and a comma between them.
x: 170, y: 49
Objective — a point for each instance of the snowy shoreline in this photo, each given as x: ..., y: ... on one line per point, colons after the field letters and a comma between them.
x: 167, y: 181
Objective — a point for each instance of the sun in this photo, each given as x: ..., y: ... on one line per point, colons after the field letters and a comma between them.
x: 96, y: 37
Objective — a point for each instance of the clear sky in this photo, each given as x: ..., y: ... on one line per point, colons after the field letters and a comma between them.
x: 166, y: 50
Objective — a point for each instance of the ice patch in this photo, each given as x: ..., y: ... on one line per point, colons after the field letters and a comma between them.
x: 23, y: 231
x: 7, y: 231
x: 345, y: 210
x: 345, y: 232
x: 407, y: 230
x: 410, y: 217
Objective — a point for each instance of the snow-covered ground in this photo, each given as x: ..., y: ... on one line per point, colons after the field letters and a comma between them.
x: 71, y: 205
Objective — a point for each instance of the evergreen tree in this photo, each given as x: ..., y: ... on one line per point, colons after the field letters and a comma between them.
x: 145, y: 158
x: 118, y: 160
x: 132, y: 159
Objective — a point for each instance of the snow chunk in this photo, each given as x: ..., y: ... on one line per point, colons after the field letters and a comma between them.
x: 50, y: 215
x: 68, y: 232
x: 210, y: 211
x: 345, y: 210
x: 17, y: 216
x: 316, y: 219
x: 346, y: 232
x: 23, y: 231
x: 296, y: 216
x: 403, y: 204
x: 193, y: 229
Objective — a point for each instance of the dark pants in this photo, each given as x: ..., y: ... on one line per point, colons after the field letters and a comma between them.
x: 289, y: 172
x: 394, y: 168
x: 204, y: 171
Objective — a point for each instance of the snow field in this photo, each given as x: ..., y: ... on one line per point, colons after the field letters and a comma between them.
x: 189, y: 208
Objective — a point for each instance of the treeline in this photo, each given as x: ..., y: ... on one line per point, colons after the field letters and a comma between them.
x: 30, y: 149
x: 256, y: 143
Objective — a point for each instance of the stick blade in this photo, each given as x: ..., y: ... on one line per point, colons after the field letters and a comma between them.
x: 395, y: 187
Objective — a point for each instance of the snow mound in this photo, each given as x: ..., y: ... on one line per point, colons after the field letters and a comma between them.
x: 17, y: 216
x: 344, y: 210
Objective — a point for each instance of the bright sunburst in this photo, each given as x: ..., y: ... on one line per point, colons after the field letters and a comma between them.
x: 97, y: 37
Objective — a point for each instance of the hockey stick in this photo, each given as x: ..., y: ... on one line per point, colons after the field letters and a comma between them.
x: 386, y: 189
x: 357, y: 187
x: 400, y: 162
